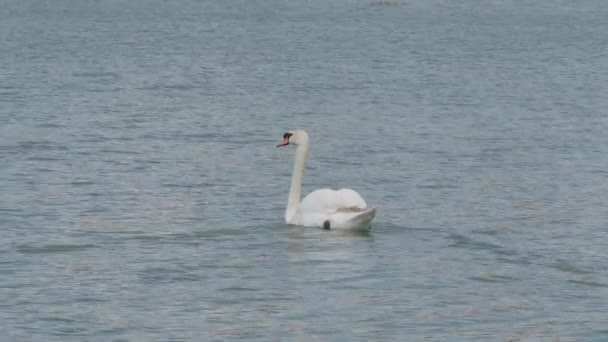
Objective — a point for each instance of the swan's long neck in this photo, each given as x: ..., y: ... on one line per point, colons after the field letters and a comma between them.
x: 295, y: 191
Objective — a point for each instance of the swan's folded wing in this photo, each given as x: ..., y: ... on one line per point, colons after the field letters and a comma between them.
x: 351, y: 210
x: 351, y: 199
x: 328, y: 199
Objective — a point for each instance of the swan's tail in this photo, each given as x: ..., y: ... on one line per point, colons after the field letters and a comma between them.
x: 364, y: 218
x: 359, y: 219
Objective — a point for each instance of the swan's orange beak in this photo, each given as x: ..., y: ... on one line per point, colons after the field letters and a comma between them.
x: 284, y: 142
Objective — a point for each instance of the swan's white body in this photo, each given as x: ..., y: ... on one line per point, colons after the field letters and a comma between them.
x: 338, y: 209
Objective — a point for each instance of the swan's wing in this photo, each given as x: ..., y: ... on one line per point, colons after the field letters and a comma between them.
x: 343, y: 209
x: 324, y: 200
x: 351, y: 199
x: 351, y: 210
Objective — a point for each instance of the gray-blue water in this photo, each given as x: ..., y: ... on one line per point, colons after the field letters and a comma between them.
x: 142, y: 196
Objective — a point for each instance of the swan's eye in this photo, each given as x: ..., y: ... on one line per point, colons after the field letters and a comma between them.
x: 287, y: 135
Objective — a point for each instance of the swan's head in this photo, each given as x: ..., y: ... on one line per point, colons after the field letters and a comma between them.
x: 294, y: 137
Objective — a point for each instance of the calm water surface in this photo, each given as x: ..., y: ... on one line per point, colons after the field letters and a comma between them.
x: 142, y: 195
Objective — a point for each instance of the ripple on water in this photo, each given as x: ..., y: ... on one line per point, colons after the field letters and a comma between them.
x: 220, y: 233
x: 588, y: 282
x: 238, y: 289
x: 168, y: 275
x: 53, y: 248
x: 188, y: 237
x: 436, y: 186
x: 493, y: 278
x: 81, y: 182
x: 462, y: 241
x: 516, y: 260
x: 26, y: 146
x: 567, y: 266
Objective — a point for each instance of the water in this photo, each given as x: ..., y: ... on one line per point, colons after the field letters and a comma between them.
x: 142, y: 195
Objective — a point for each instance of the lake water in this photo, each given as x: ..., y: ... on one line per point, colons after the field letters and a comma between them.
x: 142, y: 195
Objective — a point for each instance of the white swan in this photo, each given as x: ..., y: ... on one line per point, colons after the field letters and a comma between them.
x: 327, y: 208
